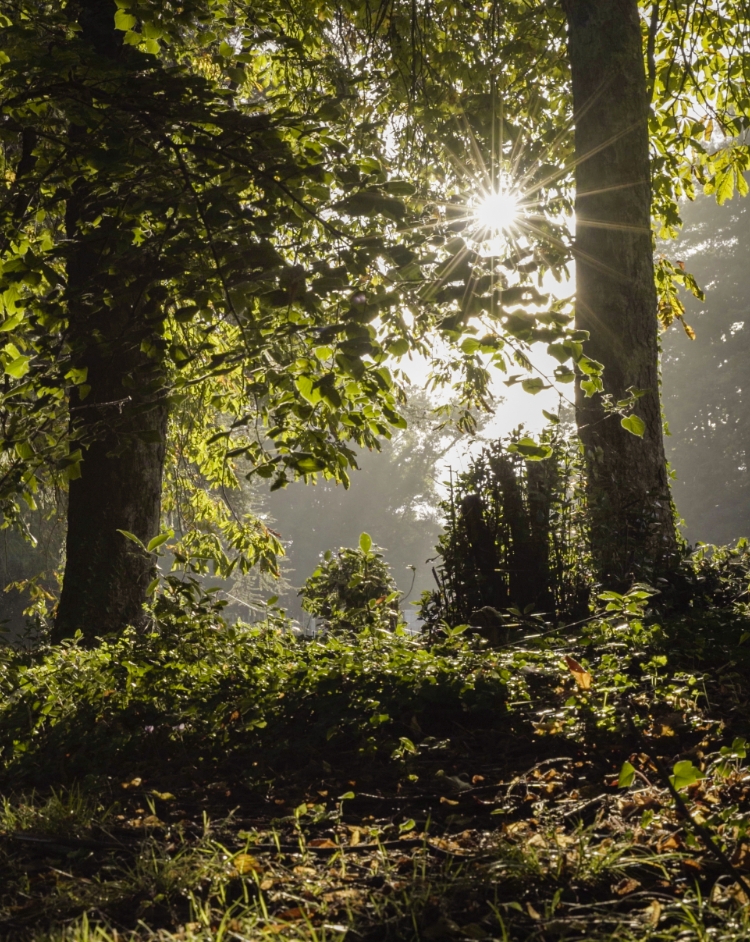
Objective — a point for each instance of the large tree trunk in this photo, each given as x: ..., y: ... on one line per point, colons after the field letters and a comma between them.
x: 121, y: 424
x: 106, y: 574
x: 632, y: 526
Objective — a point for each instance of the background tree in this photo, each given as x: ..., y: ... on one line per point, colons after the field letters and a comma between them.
x: 630, y: 509
x: 642, y: 102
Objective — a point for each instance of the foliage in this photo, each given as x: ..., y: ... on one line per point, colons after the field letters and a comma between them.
x: 393, y: 496
x: 235, y: 776
x: 195, y: 691
x: 261, y: 252
x: 515, y: 534
x: 352, y: 589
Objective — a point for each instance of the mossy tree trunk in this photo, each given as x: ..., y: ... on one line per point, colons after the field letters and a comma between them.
x: 632, y: 525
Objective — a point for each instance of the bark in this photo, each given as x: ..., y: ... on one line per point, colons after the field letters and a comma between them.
x: 121, y: 424
x: 106, y: 574
x: 631, y: 516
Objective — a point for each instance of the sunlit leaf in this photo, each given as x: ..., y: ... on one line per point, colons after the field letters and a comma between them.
x: 634, y: 424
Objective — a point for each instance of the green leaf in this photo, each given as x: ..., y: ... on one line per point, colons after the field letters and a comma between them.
x: 365, y: 542
x: 133, y: 538
x: 470, y: 345
x: 685, y: 774
x: 308, y: 464
x: 627, y: 774
x: 564, y: 375
x: 400, y: 188
x: 408, y: 746
x: 407, y: 825
x: 534, y: 385
x: 18, y: 367
x: 725, y: 186
x: 307, y: 390
x: 560, y: 352
x: 551, y: 417
x: 588, y: 366
x: 158, y: 540
x: 530, y: 449
x: 124, y: 20
x: 591, y: 386
x: 398, y: 347
x: 633, y: 424
x: 11, y: 322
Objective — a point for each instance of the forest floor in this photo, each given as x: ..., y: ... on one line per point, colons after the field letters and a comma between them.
x: 580, y: 784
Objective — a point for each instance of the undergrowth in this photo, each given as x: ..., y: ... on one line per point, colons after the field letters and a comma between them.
x: 212, y: 781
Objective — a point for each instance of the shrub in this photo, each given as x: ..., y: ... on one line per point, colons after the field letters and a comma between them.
x: 353, y: 589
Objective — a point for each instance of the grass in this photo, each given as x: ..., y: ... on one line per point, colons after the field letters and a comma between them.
x: 216, y: 782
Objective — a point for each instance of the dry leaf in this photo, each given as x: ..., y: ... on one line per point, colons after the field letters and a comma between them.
x: 447, y: 801
x: 294, y: 913
x: 652, y: 913
x: 245, y: 863
x: 580, y: 674
x: 628, y: 885
x: 671, y: 843
x: 151, y: 821
x: 321, y: 842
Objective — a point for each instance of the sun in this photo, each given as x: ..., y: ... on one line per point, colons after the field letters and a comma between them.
x: 497, y: 212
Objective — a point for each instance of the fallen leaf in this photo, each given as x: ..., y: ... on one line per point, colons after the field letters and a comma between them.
x: 321, y: 842
x: 671, y: 843
x: 580, y: 674
x: 625, y: 886
x: 447, y: 801
x: 652, y: 913
x: 532, y: 912
x: 151, y: 821
x: 294, y: 913
x: 245, y: 863
x: 741, y: 857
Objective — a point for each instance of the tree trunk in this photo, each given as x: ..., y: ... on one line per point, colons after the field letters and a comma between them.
x: 631, y: 517
x: 121, y: 424
x: 106, y: 574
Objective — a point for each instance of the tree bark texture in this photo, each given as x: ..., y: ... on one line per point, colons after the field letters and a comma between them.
x: 631, y: 516
x: 121, y: 424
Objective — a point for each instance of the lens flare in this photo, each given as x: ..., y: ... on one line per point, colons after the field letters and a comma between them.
x: 497, y: 212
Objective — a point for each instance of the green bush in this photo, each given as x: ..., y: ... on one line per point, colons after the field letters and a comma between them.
x: 353, y: 589
x: 196, y: 694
